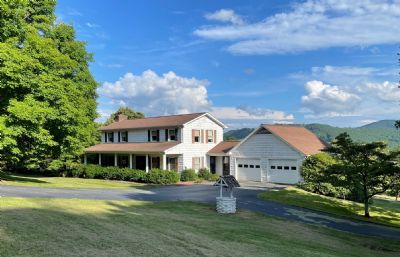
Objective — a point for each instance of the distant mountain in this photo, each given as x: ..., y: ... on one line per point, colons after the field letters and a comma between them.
x: 380, y: 124
x: 377, y: 131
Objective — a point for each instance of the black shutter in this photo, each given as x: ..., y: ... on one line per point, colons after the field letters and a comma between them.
x: 166, y: 135
x: 176, y: 134
x: 119, y: 136
x: 148, y: 135
x: 158, y: 135
x: 105, y: 137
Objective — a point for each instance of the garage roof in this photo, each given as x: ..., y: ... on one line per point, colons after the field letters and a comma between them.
x: 156, y: 147
x: 223, y: 147
x: 298, y: 137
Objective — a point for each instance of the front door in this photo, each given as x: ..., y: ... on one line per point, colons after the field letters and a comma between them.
x: 225, y: 166
x: 155, y: 162
x: 140, y: 162
x: 212, y: 164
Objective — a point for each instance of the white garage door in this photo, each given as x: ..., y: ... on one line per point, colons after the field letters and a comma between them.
x: 283, y: 171
x: 248, y: 169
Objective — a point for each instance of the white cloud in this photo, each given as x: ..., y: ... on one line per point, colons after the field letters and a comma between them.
x: 249, y: 113
x: 154, y: 94
x: 327, y: 100
x: 385, y: 91
x: 225, y: 15
x: 314, y: 24
x: 92, y: 25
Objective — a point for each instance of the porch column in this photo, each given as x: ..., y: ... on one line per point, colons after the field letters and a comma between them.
x: 147, y: 163
x: 130, y: 161
x: 115, y: 159
x: 100, y: 159
x: 164, y: 161
x: 85, y: 159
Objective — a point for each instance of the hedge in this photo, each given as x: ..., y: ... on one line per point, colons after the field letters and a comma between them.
x: 155, y: 176
x: 188, y: 175
x: 205, y: 174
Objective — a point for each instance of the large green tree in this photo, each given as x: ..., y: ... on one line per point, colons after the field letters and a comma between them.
x: 47, y: 93
x: 368, y: 169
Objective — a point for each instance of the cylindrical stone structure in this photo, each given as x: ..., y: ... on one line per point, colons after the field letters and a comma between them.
x: 226, y: 204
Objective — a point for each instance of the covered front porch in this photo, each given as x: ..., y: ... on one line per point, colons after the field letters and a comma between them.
x: 140, y: 161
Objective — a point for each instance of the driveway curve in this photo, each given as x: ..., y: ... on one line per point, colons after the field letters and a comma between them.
x: 246, y: 199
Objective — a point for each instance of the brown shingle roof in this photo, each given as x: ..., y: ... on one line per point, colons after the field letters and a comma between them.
x: 151, y: 122
x: 156, y: 147
x: 223, y: 147
x: 298, y: 137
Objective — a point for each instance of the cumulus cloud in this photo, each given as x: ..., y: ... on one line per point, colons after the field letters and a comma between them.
x: 385, y: 91
x: 311, y: 25
x: 225, y: 15
x: 324, y: 99
x: 154, y: 94
x: 250, y: 113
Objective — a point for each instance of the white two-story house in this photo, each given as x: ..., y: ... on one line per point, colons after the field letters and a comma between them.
x: 175, y: 142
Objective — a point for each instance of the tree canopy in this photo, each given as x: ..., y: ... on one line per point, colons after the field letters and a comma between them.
x: 129, y: 112
x: 47, y: 93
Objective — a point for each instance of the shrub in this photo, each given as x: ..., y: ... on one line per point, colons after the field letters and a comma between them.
x: 158, y: 176
x: 205, y: 174
x: 188, y: 175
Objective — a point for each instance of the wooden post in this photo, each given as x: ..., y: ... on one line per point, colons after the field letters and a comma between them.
x: 130, y: 161
x: 147, y: 163
x: 115, y: 159
x: 164, y: 161
x: 100, y: 159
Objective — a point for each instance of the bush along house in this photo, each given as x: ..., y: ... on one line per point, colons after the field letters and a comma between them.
x: 271, y: 153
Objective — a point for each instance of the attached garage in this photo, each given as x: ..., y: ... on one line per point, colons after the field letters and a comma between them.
x: 283, y: 171
x: 248, y: 169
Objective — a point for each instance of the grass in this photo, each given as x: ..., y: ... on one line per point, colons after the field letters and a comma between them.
x: 71, y: 227
x: 61, y: 182
x: 382, y: 211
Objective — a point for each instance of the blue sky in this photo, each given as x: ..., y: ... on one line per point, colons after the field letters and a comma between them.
x: 246, y: 62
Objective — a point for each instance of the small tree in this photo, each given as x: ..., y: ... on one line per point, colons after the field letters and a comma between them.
x: 366, y: 168
x: 395, y: 187
x: 126, y: 111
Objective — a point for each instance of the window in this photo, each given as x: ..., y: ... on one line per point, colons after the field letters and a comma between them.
x: 246, y: 166
x: 251, y: 166
x: 196, y: 136
x: 293, y: 168
x: 154, y: 135
x: 172, y: 135
x: 273, y: 167
x: 240, y: 165
x: 257, y: 166
x: 279, y: 167
x: 110, y: 136
x: 124, y: 136
x: 286, y: 167
x: 172, y: 162
x: 196, y: 163
x: 210, y: 136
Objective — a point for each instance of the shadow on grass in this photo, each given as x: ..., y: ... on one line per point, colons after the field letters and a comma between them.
x: 22, y: 178
x: 109, y: 228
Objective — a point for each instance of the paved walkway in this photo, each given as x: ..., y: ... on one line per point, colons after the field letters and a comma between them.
x: 247, y: 199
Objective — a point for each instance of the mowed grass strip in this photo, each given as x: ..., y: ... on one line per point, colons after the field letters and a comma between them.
x: 382, y: 211
x: 71, y: 227
x: 62, y: 182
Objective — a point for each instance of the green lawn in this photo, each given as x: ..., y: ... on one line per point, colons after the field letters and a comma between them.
x: 71, y: 227
x: 39, y: 181
x: 382, y: 211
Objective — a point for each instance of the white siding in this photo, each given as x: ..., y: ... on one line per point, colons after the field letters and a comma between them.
x: 189, y: 149
x: 264, y: 147
x: 138, y: 135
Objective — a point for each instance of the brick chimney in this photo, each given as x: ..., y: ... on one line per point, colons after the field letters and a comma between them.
x: 121, y: 117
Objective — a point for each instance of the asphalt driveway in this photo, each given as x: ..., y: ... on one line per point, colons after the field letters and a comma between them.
x: 246, y: 197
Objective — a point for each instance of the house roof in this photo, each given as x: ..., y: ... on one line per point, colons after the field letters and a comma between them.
x: 298, y: 137
x: 152, y: 147
x: 223, y: 147
x: 152, y: 122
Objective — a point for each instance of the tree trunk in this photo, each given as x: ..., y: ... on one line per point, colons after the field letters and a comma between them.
x: 366, y: 208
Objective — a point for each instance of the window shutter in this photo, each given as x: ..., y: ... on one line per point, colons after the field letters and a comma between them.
x: 192, y: 136
x: 215, y: 136
x: 202, y: 136
x: 192, y: 162
x: 105, y: 137
x: 202, y: 162
x: 207, y: 136
x: 158, y: 135
x: 148, y: 135
x: 176, y: 134
x: 166, y: 135
x: 119, y: 136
